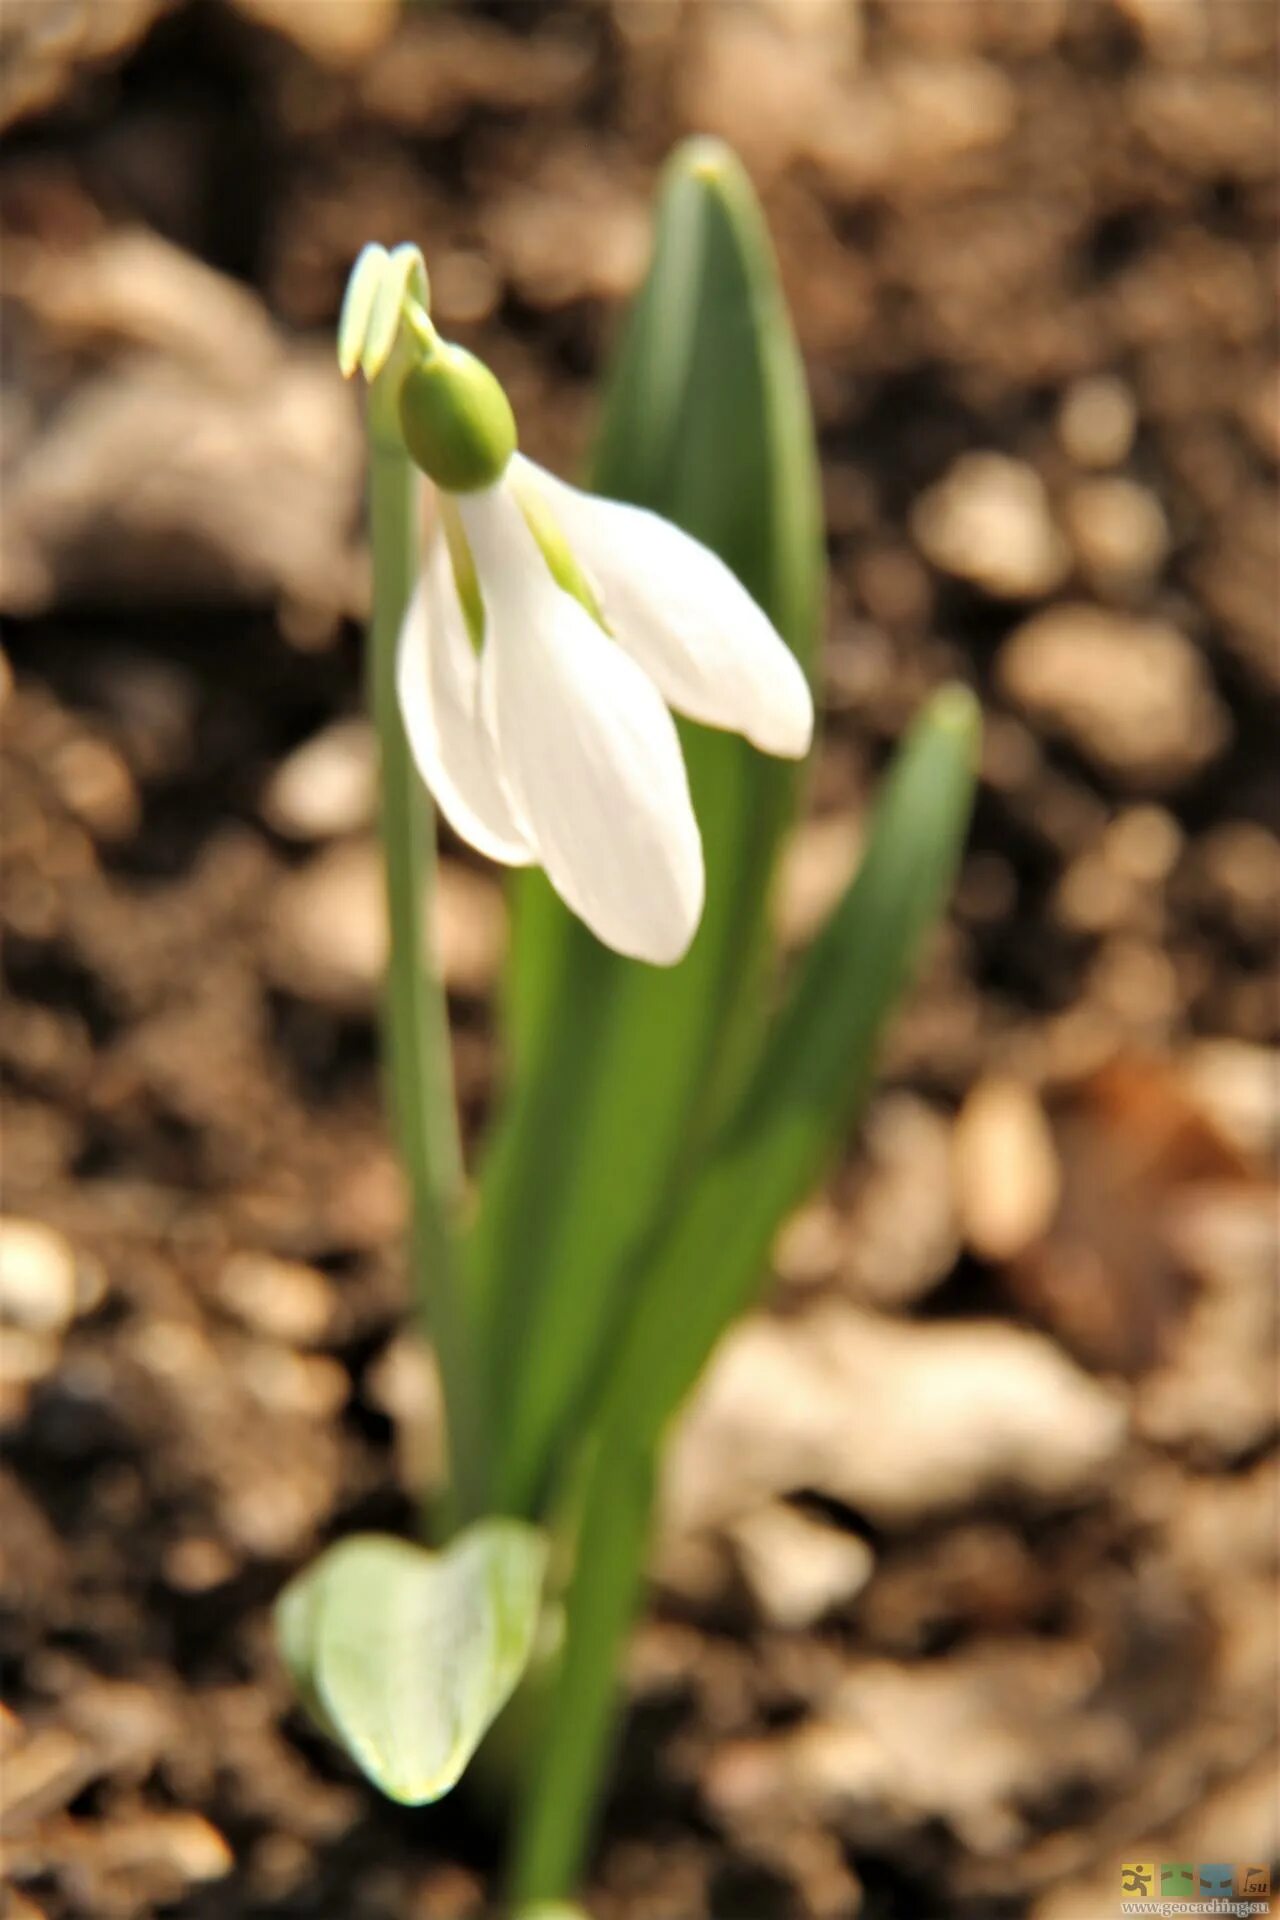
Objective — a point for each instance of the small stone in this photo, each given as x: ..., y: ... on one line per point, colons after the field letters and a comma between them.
x: 340, y: 33
x: 811, y: 1245
x: 1143, y: 844
x: 449, y: 1891
x: 817, y: 865
x: 48, y: 1769
x: 1091, y: 897
x: 948, y: 108
x: 95, y: 785
x: 894, y: 586
x: 404, y: 1383
x: 745, y: 1777
x: 197, y: 1848
x: 897, y: 1419
x: 694, y: 1569
x: 1176, y: 31
x: 798, y: 1568
x: 329, y: 938
x: 192, y: 1849
x: 1133, y: 696
x: 577, y: 229
x: 175, y: 1352
x: 1012, y: 760
x: 465, y: 288
x: 38, y: 1277
x: 970, y: 1743
x: 470, y: 924
x: 909, y: 121
x: 988, y: 521
x: 1261, y: 413
x: 21, y: 1908
x: 1097, y: 421
x: 128, y: 1723
x: 1238, y: 875
x: 327, y: 786
x: 1119, y: 532
x: 281, y: 1298
x: 152, y: 706
x: 1137, y: 985
x: 1215, y: 1391
x: 198, y: 451
x: 741, y: 81
x: 986, y: 891
x: 276, y: 1516
x: 1239, y: 1088
x: 47, y: 56
x: 278, y: 1864
x: 310, y: 1385
x: 367, y: 1203
x: 1112, y: 885
x: 197, y: 1564
x: 1007, y: 1178
x: 25, y: 1359
x: 420, y: 83
x: 901, y: 1232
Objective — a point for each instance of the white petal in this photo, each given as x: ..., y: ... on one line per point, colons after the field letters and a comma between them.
x: 682, y: 614
x: 588, y: 751
x: 437, y: 678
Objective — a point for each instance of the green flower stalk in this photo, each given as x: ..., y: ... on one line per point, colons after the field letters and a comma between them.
x: 416, y: 1050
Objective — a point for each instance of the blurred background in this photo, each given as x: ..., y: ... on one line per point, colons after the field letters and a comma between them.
x: 965, y: 1589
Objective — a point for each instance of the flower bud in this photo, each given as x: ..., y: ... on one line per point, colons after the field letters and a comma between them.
x: 456, y: 420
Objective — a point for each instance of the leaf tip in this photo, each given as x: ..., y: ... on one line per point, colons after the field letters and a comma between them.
x: 711, y: 165
x: 706, y: 158
x: 956, y: 709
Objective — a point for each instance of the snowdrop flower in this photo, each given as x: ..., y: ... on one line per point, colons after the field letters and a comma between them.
x: 549, y: 638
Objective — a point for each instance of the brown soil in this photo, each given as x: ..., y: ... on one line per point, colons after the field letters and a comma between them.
x: 1040, y: 231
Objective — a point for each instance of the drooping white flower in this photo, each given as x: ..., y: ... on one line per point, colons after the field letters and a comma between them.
x: 554, y: 744
x: 540, y: 717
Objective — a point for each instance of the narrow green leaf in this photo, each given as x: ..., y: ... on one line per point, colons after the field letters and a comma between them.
x: 812, y: 1077
x: 564, y: 1769
x: 620, y: 1069
x: 406, y: 1656
x: 805, y: 1094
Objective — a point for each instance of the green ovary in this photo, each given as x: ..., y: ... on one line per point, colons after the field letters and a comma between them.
x: 456, y: 420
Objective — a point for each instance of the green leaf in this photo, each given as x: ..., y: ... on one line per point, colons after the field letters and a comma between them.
x: 803, y: 1097
x: 813, y: 1076
x: 620, y: 1069
x: 404, y: 1656
x: 563, y: 1770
